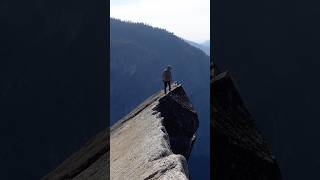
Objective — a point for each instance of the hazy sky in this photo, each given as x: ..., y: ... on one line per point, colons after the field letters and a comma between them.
x: 189, y: 19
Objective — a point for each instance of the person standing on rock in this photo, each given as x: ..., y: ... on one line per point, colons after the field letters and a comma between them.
x: 167, y: 78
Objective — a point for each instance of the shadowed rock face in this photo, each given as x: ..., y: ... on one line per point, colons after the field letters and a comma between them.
x: 239, y: 150
x: 152, y: 142
x: 180, y: 121
x: 137, y: 50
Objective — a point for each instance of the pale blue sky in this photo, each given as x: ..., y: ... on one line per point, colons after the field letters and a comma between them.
x: 189, y: 19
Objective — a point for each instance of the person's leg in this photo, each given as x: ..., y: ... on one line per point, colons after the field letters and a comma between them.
x: 169, y: 83
x: 165, y: 87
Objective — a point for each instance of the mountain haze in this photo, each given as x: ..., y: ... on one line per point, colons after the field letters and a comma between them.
x: 204, y: 46
x: 138, y: 54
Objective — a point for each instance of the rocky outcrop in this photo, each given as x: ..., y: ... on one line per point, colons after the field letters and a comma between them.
x: 137, y: 53
x: 239, y: 150
x: 153, y: 141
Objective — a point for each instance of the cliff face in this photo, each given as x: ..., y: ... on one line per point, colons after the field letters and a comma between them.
x: 239, y: 150
x: 153, y: 141
x: 137, y: 50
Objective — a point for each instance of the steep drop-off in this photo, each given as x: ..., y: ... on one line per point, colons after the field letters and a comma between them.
x: 239, y: 150
x: 138, y: 55
x: 153, y: 141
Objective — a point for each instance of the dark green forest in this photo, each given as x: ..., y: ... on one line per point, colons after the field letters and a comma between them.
x: 138, y: 55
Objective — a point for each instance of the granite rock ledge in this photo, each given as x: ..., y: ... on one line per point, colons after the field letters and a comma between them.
x: 153, y: 141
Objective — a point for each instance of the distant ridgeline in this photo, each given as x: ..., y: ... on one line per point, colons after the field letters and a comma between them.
x: 239, y: 151
x: 205, y: 46
x: 138, y: 54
